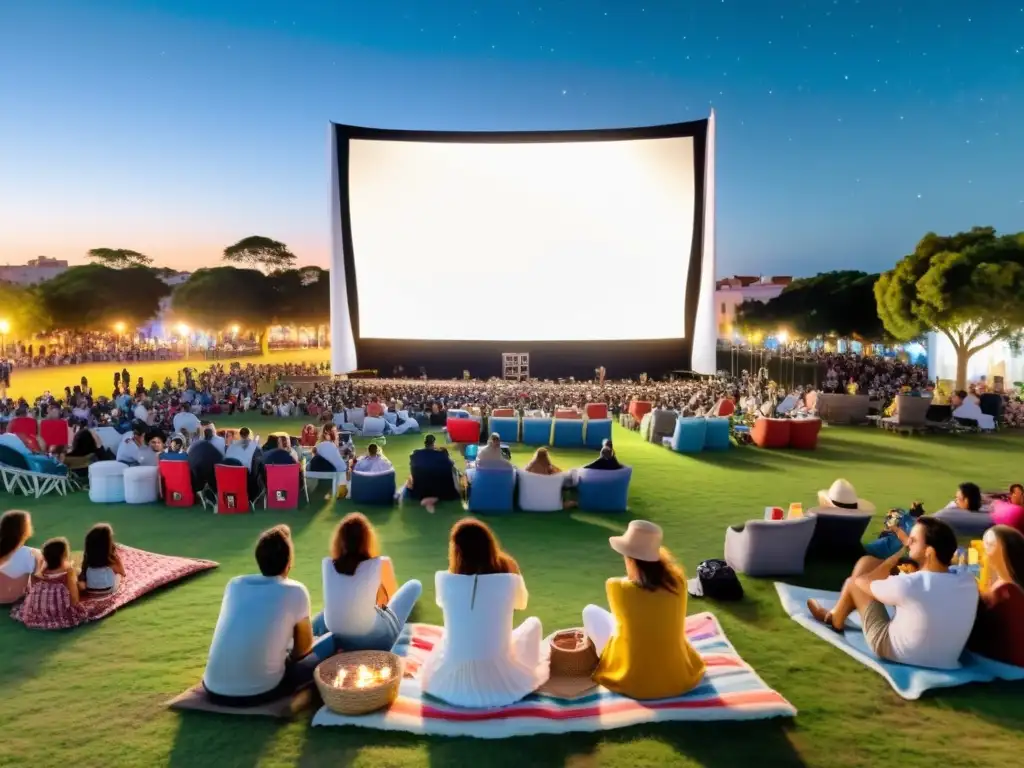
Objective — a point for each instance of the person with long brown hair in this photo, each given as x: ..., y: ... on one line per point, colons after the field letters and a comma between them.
x: 17, y: 560
x: 999, y: 626
x: 363, y: 609
x: 642, y: 641
x: 482, y: 661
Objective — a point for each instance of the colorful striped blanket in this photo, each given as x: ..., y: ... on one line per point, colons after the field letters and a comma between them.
x: 731, y: 690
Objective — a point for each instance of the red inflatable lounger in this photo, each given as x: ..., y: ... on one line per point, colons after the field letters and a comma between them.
x: 463, y: 430
x: 771, y: 433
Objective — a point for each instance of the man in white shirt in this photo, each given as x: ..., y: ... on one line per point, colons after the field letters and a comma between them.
x: 263, y: 648
x: 373, y: 461
x: 935, y: 609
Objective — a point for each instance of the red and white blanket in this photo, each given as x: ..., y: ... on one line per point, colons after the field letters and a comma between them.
x: 48, y: 604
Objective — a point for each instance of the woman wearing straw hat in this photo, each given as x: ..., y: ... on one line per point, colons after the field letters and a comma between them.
x: 642, y: 641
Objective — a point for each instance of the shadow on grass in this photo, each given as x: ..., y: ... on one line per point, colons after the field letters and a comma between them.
x: 201, y: 734
x: 27, y: 650
x: 998, y: 703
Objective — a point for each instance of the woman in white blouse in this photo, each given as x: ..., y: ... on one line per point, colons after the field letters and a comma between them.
x: 17, y: 561
x: 363, y: 610
x: 482, y: 662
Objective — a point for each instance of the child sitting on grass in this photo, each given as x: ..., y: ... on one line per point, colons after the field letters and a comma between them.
x: 102, y: 569
x: 58, y: 570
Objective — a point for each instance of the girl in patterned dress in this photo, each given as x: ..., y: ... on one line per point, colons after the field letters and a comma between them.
x: 54, y: 591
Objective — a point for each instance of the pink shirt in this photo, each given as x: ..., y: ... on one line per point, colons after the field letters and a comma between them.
x: 1005, y: 513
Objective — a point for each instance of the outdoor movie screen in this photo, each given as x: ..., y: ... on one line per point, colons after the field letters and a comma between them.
x: 535, y: 241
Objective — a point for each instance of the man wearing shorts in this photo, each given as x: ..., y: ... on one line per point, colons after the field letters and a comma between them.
x: 934, y: 608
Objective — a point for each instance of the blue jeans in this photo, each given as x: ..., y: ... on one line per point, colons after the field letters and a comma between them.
x: 387, y: 627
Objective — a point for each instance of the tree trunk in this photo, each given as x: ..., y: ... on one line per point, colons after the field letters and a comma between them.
x: 963, y: 355
x: 265, y: 341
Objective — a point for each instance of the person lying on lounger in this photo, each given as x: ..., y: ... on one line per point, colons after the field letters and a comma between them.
x: 935, y: 609
x: 263, y: 646
x: 642, y: 640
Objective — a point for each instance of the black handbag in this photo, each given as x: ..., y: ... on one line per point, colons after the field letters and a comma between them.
x: 719, y: 580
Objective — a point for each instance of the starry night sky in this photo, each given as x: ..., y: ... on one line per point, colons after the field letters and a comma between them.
x: 846, y: 129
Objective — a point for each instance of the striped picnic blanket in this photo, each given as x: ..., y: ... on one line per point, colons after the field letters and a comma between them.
x: 731, y: 690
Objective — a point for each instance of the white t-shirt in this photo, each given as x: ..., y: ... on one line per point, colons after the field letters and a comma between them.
x: 350, y: 601
x: 934, y: 616
x: 129, y: 451
x: 373, y: 464
x: 254, y: 634
x: 22, y: 562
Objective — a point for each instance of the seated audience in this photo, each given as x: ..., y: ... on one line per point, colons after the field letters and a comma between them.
x: 134, y: 450
x: 374, y: 408
x: 490, y: 455
x: 642, y: 640
x: 1010, y: 511
x: 433, y: 477
x: 102, y: 569
x: 203, y: 457
x: 373, y: 461
x: 328, y: 456
x: 482, y: 661
x: 968, y: 497
x: 935, y: 609
x: 283, y: 453
x: 363, y: 610
x: 262, y: 648
x: 56, y: 584
x: 999, y: 627
x: 606, y: 459
x: 17, y: 559
x: 244, y: 450
x: 86, y: 444
x: 541, y: 464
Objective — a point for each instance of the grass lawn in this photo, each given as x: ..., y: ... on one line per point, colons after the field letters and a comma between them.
x: 94, y: 696
x: 31, y: 382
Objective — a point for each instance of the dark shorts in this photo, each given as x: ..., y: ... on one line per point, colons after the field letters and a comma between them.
x: 875, y: 619
x: 297, y: 676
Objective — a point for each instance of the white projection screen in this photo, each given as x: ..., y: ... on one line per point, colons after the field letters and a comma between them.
x: 528, y: 242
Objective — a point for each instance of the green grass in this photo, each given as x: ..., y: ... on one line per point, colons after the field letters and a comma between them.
x: 94, y: 696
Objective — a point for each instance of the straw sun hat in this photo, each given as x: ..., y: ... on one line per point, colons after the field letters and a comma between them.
x: 641, y: 541
x: 842, y: 496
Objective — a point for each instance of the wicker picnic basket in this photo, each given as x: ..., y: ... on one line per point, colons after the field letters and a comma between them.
x: 350, y: 700
x: 572, y: 654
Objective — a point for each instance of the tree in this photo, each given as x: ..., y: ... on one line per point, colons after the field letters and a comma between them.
x: 837, y: 303
x: 95, y: 296
x: 22, y: 310
x: 119, y: 258
x: 969, y: 287
x: 260, y: 252
x: 224, y: 296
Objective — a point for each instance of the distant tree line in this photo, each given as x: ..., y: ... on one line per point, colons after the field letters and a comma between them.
x: 122, y: 286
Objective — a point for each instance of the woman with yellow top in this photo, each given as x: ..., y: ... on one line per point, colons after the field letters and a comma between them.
x: 642, y: 641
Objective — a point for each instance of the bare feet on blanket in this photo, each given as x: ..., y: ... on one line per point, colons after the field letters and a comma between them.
x: 820, y: 614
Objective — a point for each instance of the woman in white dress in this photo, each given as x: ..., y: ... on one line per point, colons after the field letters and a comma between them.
x: 482, y: 662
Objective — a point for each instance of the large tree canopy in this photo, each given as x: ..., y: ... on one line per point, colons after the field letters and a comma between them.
x: 95, y: 296
x: 829, y: 304
x: 22, y: 310
x: 968, y: 287
x: 118, y: 258
x: 224, y: 296
x: 260, y: 252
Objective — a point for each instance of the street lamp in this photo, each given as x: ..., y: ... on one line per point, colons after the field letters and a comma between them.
x: 119, y: 327
x: 235, y: 329
x: 183, y: 330
x: 5, y: 328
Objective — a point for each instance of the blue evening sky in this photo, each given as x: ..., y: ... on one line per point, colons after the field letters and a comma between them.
x: 175, y: 127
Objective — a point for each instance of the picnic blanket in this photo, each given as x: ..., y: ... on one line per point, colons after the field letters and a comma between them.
x: 908, y: 681
x: 731, y: 690
x: 47, y: 605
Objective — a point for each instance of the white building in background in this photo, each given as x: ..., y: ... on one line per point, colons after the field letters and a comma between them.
x: 38, y: 270
x: 730, y: 292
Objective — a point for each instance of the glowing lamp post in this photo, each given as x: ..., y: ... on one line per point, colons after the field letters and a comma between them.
x: 5, y: 328
x: 183, y: 330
